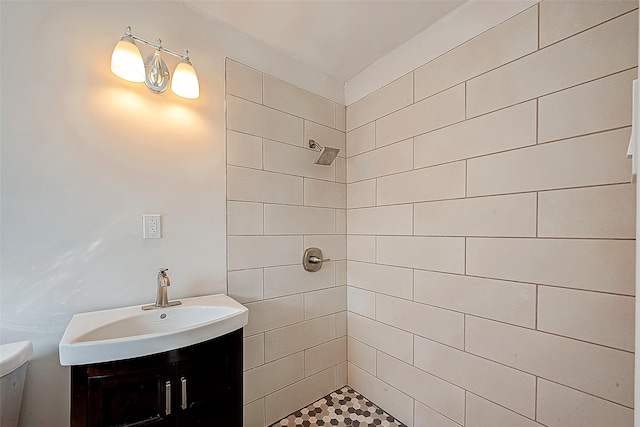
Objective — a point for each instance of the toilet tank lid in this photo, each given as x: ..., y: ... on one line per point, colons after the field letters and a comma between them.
x: 13, y: 355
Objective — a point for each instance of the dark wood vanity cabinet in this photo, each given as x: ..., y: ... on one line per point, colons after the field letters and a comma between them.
x: 199, y: 385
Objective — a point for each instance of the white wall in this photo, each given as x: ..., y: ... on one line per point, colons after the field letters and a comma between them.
x: 85, y: 154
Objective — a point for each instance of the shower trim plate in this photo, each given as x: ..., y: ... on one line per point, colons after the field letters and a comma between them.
x: 312, y: 259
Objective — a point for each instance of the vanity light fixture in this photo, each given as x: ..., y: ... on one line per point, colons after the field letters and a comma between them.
x: 127, y: 63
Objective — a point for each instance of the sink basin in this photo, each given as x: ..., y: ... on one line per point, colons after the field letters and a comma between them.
x: 125, y: 333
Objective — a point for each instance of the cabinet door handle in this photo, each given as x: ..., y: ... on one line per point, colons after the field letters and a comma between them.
x: 183, y: 380
x: 167, y: 398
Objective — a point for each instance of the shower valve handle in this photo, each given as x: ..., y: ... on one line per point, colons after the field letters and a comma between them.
x: 316, y: 260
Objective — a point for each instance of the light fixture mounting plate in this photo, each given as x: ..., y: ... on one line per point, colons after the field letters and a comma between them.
x: 156, y: 73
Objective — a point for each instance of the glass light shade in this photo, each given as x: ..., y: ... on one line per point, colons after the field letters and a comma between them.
x: 126, y: 61
x: 184, y: 82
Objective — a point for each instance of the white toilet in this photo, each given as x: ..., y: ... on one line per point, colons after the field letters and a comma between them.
x: 13, y: 369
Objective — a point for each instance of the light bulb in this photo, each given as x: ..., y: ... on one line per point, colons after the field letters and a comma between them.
x: 184, y: 82
x: 126, y: 60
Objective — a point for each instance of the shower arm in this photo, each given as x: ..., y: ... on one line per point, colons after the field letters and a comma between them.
x: 314, y: 145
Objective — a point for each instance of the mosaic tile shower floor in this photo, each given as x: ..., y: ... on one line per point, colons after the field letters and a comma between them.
x: 344, y: 407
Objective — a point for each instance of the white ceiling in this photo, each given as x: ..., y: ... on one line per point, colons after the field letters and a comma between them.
x: 339, y: 38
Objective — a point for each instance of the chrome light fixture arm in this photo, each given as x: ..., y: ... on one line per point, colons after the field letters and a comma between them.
x: 158, y: 45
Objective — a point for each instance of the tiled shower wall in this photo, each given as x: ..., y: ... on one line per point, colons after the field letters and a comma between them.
x: 279, y: 203
x: 491, y: 227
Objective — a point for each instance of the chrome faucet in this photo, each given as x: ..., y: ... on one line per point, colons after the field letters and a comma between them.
x: 162, y: 301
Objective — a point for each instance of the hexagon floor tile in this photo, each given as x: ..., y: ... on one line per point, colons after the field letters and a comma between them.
x: 342, y: 408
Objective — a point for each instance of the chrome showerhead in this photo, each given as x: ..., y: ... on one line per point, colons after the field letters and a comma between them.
x: 327, y: 154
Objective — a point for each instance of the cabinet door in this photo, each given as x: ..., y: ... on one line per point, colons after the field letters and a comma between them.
x: 135, y: 398
x: 209, y: 384
x: 202, y: 388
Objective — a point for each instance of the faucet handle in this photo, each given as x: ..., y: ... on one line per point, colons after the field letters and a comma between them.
x: 162, y: 270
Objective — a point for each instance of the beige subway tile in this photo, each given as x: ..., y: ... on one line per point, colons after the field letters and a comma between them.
x: 333, y: 246
x: 300, y: 336
x: 291, y: 160
x: 361, y: 302
x: 383, y: 279
x: 384, y: 161
x: 421, y: 185
x: 591, y: 107
x: 258, y: 186
x: 427, y: 417
x: 362, y: 355
x: 341, y: 374
x: 392, y: 97
x: 274, y: 313
x: 428, y: 389
x: 589, y: 316
x: 299, y: 102
x: 246, y: 285
x: 508, y: 216
x: 502, y: 44
x: 361, y: 194
x: 595, y: 212
x: 291, y: 398
x: 600, y: 371
x: 248, y: 117
x: 243, y: 81
x: 562, y: 19
x: 361, y: 248
x: 589, y: 160
x: 438, y: 111
x: 444, y: 254
x: 324, y: 194
x: 341, y: 117
x: 257, y: 251
x: 253, y: 351
x: 244, y: 150
x: 325, y: 355
x: 440, y: 325
x: 244, y: 218
x: 603, y: 50
x: 508, y: 387
x: 253, y: 414
x: 341, y: 272
x: 509, y: 302
x: 559, y: 406
x: 393, y: 220
x: 502, y: 130
x: 598, y: 265
x: 325, y: 301
x: 391, y: 399
x: 361, y: 140
x: 481, y: 413
x: 325, y: 136
x: 341, y: 221
x: 383, y: 337
x: 285, y: 219
x: 341, y: 170
x: 341, y: 324
x: 293, y: 279
x: 265, y: 379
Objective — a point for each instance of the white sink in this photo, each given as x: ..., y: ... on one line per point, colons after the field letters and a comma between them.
x: 124, y: 333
